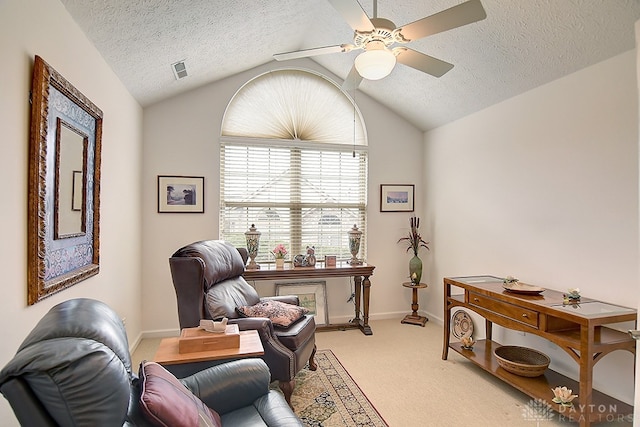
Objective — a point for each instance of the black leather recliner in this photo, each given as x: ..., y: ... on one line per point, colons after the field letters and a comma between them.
x: 207, y: 277
x: 74, y: 369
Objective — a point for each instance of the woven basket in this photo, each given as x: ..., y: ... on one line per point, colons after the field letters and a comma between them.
x: 522, y: 361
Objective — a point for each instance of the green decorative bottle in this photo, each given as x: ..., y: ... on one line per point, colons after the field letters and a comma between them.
x: 415, y: 267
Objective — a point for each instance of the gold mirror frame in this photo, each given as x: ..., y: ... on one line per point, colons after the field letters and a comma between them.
x: 57, y: 262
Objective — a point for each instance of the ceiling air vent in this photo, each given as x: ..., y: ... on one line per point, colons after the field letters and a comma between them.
x: 179, y: 70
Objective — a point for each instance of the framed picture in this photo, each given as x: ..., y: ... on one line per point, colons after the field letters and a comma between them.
x: 182, y: 194
x: 396, y: 197
x: 312, y: 295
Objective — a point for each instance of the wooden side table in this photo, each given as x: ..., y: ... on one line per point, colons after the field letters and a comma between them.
x: 414, y: 318
x: 185, y: 364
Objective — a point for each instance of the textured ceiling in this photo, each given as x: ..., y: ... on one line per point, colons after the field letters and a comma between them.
x: 521, y: 44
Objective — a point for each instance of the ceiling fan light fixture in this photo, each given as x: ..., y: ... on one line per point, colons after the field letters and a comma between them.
x: 375, y: 64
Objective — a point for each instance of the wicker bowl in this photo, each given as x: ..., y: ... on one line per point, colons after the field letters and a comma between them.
x: 522, y: 361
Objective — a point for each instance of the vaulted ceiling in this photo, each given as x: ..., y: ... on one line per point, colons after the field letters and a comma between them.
x: 521, y: 44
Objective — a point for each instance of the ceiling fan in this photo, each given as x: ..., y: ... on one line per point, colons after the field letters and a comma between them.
x: 376, y: 36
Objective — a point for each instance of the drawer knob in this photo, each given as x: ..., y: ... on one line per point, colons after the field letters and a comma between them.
x: 525, y: 315
x: 476, y: 299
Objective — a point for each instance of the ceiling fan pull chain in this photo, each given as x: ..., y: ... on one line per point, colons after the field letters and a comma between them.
x: 354, y: 122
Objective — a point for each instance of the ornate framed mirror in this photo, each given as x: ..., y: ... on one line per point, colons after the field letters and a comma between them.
x: 64, y: 185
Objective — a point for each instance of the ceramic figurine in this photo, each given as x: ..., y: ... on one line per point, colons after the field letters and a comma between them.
x: 308, y: 260
x: 573, y: 293
x: 564, y: 396
x: 467, y: 343
x: 298, y: 261
x: 311, y: 256
x: 510, y: 279
x: 211, y: 326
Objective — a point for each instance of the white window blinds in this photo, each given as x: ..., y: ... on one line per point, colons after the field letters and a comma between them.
x: 299, y: 196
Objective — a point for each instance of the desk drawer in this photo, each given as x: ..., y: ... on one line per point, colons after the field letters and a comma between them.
x: 513, y: 312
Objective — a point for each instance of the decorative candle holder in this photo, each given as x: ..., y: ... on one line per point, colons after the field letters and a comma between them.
x: 253, y: 244
x: 354, y: 245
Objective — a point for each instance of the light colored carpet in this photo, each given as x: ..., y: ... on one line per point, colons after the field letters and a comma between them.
x: 400, y: 370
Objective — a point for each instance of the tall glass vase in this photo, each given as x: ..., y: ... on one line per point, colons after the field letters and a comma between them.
x: 415, y: 267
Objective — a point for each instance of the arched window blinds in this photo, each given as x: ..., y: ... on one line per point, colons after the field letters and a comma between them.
x: 293, y: 162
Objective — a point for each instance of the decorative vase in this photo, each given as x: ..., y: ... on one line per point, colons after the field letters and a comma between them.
x: 279, y: 262
x: 253, y: 243
x: 415, y: 267
x: 354, y: 245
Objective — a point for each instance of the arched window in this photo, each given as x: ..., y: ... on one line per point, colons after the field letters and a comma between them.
x: 293, y: 161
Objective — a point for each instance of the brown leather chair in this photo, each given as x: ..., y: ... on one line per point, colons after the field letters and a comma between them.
x: 207, y: 277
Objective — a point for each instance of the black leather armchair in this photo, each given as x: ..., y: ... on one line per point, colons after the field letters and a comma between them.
x: 74, y: 369
x: 207, y: 277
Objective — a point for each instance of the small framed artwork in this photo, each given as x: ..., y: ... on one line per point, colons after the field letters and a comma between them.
x: 396, y: 197
x: 181, y: 194
x: 330, y: 260
x: 312, y: 295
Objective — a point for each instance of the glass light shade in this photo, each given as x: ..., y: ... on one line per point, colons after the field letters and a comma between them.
x: 375, y: 64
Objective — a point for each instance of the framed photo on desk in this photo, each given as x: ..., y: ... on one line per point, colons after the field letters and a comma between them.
x: 312, y: 295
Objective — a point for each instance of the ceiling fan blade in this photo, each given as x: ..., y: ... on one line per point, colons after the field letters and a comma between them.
x: 352, y: 81
x: 312, y: 52
x: 456, y: 16
x: 425, y: 63
x: 353, y: 13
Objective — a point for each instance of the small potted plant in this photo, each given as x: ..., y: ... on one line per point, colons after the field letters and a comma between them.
x: 280, y: 251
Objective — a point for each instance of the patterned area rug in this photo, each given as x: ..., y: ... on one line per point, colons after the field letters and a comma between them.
x: 329, y: 397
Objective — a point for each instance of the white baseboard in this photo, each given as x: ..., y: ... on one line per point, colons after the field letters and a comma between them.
x: 388, y: 315
x: 165, y: 333
x: 433, y: 318
x: 133, y: 345
x: 378, y: 316
x: 161, y: 333
x: 158, y: 333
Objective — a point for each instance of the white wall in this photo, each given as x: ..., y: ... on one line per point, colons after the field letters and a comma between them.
x: 544, y: 187
x: 43, y: 27
x: 181, y: 137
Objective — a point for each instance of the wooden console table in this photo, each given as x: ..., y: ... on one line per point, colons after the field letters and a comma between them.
x: 360, y: 274
x: 576, y: 328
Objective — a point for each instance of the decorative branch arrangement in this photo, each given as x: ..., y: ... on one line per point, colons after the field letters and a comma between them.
x: 414, y: 239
